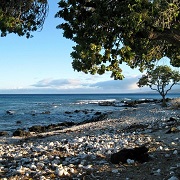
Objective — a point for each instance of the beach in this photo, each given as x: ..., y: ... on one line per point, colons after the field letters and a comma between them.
x: 84, y: 151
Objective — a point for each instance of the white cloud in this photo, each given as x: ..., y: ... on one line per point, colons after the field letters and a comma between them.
x: 57, y: 83
x: 85, y: 85
x: 126, y: 85
x: 94, y: 84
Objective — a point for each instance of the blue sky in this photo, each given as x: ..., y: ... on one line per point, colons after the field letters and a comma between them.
x: 42, y: 64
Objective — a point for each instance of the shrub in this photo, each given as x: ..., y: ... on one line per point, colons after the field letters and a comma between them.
x: 175, y: 103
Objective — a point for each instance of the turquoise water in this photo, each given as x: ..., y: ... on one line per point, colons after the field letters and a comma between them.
x: 40, y: 109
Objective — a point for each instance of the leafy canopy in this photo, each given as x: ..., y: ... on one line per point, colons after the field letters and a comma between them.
x: 109, y: 32
x: 160, y: 79
x: 22, y: 17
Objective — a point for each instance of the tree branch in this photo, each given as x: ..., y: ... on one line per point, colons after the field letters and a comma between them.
x: 170, y: 35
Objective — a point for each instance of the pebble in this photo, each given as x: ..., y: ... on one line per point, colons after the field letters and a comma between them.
x: 175, y: 152
x: 157, y: 172
x: 38, y: 158
x: 73, y: 155
x: 115, y: 171
x: 130, y: 161
x: 173, y: 178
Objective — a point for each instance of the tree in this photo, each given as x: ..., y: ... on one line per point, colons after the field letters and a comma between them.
x: 161, y: 79
x: 22, y: 17
x: 110, y: 32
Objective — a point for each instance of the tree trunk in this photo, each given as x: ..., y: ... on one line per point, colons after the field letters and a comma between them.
x: 164, y: 104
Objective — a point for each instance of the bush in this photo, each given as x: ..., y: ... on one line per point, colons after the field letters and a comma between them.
x: 175, y: 103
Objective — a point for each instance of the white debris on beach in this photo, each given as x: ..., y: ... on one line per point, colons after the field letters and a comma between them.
x: 83, y: 152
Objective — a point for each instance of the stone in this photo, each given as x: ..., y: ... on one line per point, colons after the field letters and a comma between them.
x: 3, y: 133
x: 137, y: 154
x: 18, y: 122
x: 37, y: 129
x: 46, y: 112
x: 21, y: 133
x: 10, y: 112
x: 173, y: 178
x: 172, y: 130
x: 98, y: 113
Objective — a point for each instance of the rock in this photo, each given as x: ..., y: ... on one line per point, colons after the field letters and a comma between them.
x: 85, y: 111
x: 95, y: 119
x: 157, y: 172
x: 171, y: 119
x: 172, y: 130
x: 21, y: 133
x: 175, y: 152
x: 18, y: 122
x: 173, y: 178
x: 130, y: 161
x: 77, y: 111
x: 130, y: 104
x: 115, y: 171
x: 98, y: 113
x: 137, y: 154
x: 106, y: 103
x: 67, y: 124
x: 46, y: 112
x: 37, y: 129
x: 68, y: 112
x: 10, y: 112
x: 135, y: 127
x: 3, y: 133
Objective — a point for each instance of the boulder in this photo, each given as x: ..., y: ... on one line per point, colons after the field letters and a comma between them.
x: 67, y: 124
x: 3, y: 133
x: 18, y: 122
x: 77, y: 111
x: 106, y: 103
x: 37, y: 129
x: 21, y: 133
x: 10, y: 112
x: 46, y: 112
x: 173, y: 130
x: 68, y: 112
x: 98, y: 113
x: 137, y: 154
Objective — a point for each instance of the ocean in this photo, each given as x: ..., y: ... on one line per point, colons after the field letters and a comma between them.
x: 26, y: 110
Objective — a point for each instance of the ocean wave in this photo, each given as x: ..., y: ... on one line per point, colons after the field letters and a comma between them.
x: 94, y: 101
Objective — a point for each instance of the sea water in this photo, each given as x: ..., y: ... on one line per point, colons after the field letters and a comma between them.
x: 27, y: 110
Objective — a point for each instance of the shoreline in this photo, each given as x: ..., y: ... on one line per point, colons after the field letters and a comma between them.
x: 84, y: 151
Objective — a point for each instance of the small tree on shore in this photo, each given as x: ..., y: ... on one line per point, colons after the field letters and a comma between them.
x: 161, y: 79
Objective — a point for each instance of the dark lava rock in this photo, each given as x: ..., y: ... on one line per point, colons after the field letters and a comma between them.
x: 10, y: 112
x: 172, y: 130
x: 77, y: 111
x: 106, y: 103
x: 171, y: 119
x: 98, y: 113
x: 67, y: 124
x: 37, y: 129
x: 95, y: 119
x: 18, y: 122
x: 138, y: 154
x: 68, y: 112
x: 136, y: 127
x: 21, y: 133
x: 46, y: 112
x: 3, y: 133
